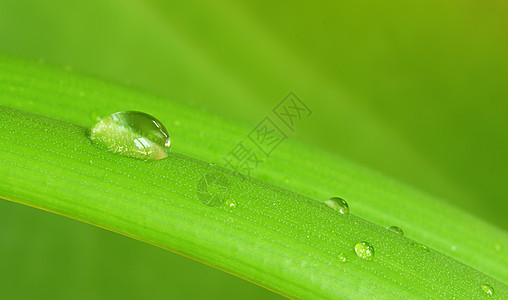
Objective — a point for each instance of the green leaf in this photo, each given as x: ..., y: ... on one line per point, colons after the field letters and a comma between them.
x: 280, y: 239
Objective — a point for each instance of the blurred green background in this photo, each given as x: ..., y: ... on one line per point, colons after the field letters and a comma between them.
x: 417, y: 90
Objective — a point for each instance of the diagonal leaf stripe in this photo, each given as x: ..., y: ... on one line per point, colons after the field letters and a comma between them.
x: 276, y: 235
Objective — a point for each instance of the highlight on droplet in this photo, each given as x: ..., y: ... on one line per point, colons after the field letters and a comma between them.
x: 338, y: 204
x: 364, y: 250
x: 133, y: 134
x: 396, y: 230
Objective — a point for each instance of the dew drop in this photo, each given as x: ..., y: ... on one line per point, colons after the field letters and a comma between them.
x: 342, y: 257
x: 487, y: 289
x: 420, y: 246
x: 133, y: 134
x: 396, y: 229
x: 338, y: 204
x: 364, y: 250
x: 231, y: 203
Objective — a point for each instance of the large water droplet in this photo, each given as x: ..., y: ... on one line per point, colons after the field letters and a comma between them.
x: 396, y: 229
x: 133, y: 134
x: 338, y: 204
x: 364, y: 250
x: 487, y: 289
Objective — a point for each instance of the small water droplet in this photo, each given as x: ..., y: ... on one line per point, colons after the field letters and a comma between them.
x: 213, y: 164
x: 338, y: 204
x: 364, y: 250
x: 231, y: 203
x: 487, y: 289
x: 454, y: 248
x: 342, y: 257
x: 396, y: 229
x: 133, y: 134
x: 420, y: 246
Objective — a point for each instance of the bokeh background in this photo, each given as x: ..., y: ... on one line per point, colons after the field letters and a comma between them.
x: 417, y: 90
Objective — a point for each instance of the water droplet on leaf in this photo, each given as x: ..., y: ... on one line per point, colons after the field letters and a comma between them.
x: 231, y: 203
x: 342, y: 257
x: 420, y: 246
x: 396, y: 229
x: 364, y: 250
x: 487, y: 289
x: 133, y: 134
x: 338, y: 204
